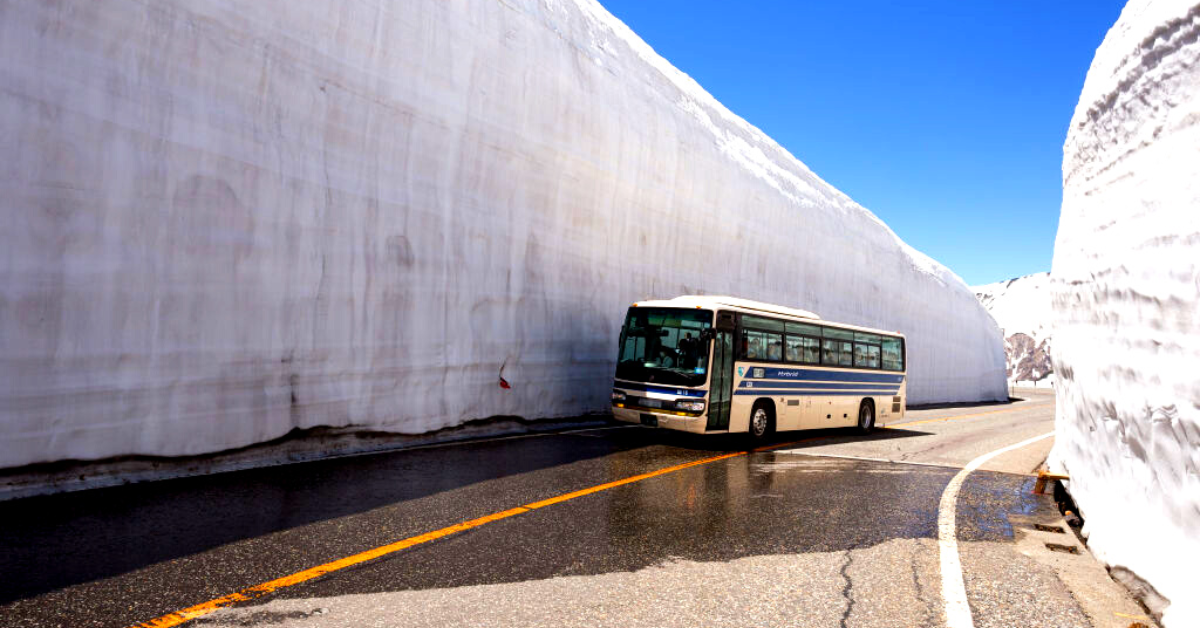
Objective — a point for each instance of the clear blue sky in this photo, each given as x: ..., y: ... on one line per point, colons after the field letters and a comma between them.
x: 945, y: 118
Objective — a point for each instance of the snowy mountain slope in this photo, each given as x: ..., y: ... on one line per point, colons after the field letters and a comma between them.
x: 1021, y: 308
x: 229, y: 220
x: 1126, y: 302
x: 1019, y: 305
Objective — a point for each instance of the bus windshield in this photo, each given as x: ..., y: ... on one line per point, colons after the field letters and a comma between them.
x: 664, y: 345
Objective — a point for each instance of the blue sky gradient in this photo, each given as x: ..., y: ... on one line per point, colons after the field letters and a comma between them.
x: 946, y: 119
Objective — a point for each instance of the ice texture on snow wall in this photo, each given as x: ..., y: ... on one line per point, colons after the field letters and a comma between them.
x: 1126, y: 301
x: 226, y: 220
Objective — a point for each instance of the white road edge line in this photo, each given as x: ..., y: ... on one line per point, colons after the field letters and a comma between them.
x: 954, y: 591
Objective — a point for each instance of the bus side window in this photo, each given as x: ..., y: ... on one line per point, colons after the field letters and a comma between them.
x: 812, y: 351
x: 829, y: 352
x: 764, y: 346
x: 838, y: 346
x: 792, y: 350
x: 803, y: 350
x: 754, y: 345
x: 775, y: 348
x: 892, y: 355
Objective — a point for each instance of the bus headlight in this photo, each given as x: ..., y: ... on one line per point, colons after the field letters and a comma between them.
x: 618, y: 396
x: 690, y: 406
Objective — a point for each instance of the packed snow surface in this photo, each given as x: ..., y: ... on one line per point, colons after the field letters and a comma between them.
x: 1021, y: 307
x: 227, y: 220
x: 1126, y: 302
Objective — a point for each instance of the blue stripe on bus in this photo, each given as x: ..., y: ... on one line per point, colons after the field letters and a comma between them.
x: 746, y: 383
x: 681, y: 392
x: 821, y: 375
x: 767, y: 392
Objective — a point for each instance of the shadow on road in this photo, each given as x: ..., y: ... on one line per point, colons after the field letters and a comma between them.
x: 967, y: 404
x: 742, y: 442
x: 55, y: 541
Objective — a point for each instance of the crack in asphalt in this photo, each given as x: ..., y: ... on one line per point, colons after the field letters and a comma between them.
x: 919, y: 589
x: 847, y: 591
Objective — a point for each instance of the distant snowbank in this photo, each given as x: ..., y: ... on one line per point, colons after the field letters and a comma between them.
x: 1126, y: 284
x: 1019, y: 305
x: 1021, y: 308
x: 226, y: 220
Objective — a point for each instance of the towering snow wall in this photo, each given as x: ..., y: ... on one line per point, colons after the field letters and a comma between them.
x: 224, y: 220
x: 1126, y: 301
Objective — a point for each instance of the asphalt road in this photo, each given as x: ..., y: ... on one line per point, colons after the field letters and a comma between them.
x: 834, y: 530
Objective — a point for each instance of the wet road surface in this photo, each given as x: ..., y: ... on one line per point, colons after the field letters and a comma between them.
x: 837, y: 529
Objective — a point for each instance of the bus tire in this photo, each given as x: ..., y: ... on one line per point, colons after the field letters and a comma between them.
x: 762, y: 420
x: 866, y: 416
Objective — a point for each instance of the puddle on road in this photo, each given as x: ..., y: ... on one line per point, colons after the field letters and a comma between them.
x: 797, y: 467
x: 988, y: 499
x: 797, y: 462
x: 985, y: 503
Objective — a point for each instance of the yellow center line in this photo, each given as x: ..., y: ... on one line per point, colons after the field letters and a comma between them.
x: 250, y: 593
x: 199, y: 610
x: 259, y: 590
x: 629, y: 480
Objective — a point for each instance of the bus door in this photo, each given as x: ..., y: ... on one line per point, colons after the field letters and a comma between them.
x: 721, y: 389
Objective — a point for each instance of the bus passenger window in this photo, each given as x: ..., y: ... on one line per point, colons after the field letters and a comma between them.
x: 755, y: 345
x: 793, y: 348
x: 891, y: 355
x: 837, y: 350
x: 764, y: 346
x: 830, y: 352
x: 803, y: 350
x: 812, y: 351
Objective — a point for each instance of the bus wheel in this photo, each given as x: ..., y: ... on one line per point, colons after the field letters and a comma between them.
x: 866, y: 416
x: 762, y: 421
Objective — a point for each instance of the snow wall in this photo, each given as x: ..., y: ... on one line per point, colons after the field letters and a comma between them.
x: 225, y: 220
x: 1126, y: 302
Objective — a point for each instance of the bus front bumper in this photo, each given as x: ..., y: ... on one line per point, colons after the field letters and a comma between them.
x: 695, y: 424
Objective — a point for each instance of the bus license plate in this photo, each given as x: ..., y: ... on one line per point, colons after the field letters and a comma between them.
x: 652, y: 403
x: 650, y: 419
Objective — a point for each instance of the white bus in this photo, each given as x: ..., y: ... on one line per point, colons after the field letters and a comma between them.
x: 720, y: 365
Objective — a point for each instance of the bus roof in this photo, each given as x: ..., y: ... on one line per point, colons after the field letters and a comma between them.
x: 746, y: 306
